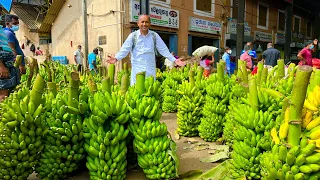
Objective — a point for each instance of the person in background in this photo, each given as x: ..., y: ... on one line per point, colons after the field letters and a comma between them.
x: 305, y: 55
x: 9, y: 75
x: 142, y: 44
x: 92, y: 60
x: 78, y: 58
x: 246, y: 57
x: 39, y: 52
x: 253, y: 53
x: 169, y: 63
x: 270, y: 56
x: 226, y: 59
x: 12, y: 25
x: 206, y: 62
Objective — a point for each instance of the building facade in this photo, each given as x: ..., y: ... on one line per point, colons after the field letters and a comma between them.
x: 184, y: 25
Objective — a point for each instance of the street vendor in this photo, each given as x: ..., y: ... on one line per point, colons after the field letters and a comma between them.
x: 305, y: 55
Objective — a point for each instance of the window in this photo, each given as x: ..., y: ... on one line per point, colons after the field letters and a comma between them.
x: 309, y: 29
x: 296, y: 24
x: 281, y: 20
x: 263, y: 16
x: 204, y: 7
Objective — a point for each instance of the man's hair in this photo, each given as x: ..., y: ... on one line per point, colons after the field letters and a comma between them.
x: 269, y: 45
x: 79, y: 46
x: 144, y: 15
x: 9, y: 17
x: 249, y: 43
x: 226, y: 48
x: 247, y: 47
x: 95, y: 49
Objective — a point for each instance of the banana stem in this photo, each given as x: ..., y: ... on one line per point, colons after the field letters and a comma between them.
x: 281, y: 69
x: 52, y: 87
x: 239, y: 72
x: 244, y: 72
x: 199, y: 73
x: 253, y: 93
x: 74, y: 89
x: 124, y: 83
x: 191, y: 78
x: 264, y: 75
x: 260, y: 70
x: 316, y: 80
x: 106, y: 85
x: 37, y: 90
x: 220, y: 70
x: 297, y: 100
x: 125, y: 67
x: 140, y: 80
x: 111, y: 71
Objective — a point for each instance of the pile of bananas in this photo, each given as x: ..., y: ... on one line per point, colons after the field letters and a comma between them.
x: 105, y: 135
x: 156, y: 155
x: 169, y: 95
x: 297, y: 162
x: 189, y: 109
x: 64, y: 143
x: 250, y: 139
x: 159, y: 75
x: 22, y: 128
x: 230, y: 124
x: 214, y: 110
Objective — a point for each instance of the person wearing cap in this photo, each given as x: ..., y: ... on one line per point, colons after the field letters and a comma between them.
x: 92, y: 60
x: 305, y: 55
x: 226, y: 59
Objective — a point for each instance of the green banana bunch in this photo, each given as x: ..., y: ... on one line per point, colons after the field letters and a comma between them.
x: 169, y: 95
x: 156, y: 155
x: 22, y: 128
x: 298, y: 162
x: 64, y: 143
x: 189, y: 109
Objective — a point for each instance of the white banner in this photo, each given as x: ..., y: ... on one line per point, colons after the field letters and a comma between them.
x: 202, y: 25
x: 160, y: 16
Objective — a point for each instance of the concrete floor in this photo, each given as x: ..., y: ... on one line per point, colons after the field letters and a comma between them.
x: 189, y: 159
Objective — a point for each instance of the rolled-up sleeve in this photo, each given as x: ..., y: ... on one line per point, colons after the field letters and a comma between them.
x: 125, y: 49
x: 163, y: 49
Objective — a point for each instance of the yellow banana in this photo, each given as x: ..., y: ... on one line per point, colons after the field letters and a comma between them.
x: 307, y: 119
x: 309, y: 106
x: 313, y: 123
x: 283, y: 131
x: 274, y: 136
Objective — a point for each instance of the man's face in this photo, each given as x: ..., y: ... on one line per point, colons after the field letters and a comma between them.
x: 13, y: 22
x: 144, y: 22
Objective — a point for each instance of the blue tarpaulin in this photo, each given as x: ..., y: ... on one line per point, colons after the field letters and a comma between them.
x: 6, y: 4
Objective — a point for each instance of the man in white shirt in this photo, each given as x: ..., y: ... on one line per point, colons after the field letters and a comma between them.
x: 142, y: 47
x: 78, y: 56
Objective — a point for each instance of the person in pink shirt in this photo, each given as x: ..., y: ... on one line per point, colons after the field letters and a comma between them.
x: 206, y: 62
x: 305, y: 55
x: 246, y: 57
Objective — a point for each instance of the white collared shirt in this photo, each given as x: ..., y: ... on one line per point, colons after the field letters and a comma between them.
x: 143, y: 55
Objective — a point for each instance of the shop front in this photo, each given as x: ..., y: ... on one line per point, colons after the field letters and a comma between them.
x: 203, y: 32
x: 161, y: 19
x: 279, y: 43
x: 231, y: 36
x: 261, y: 39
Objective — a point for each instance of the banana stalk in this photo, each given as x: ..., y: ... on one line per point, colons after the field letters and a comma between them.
x: 124, y: 83
x: 106, y: 85
x: 111, y: 71
x: 199, y: 73
x: 74, y: 89
x: 281, y: 71
x: 220, y: 70
x: 191, y: 78
x: 260, y: 69
x: 140, y: 79
x: 297, y: 99
x: 253, y: 94
x: 264, y: 75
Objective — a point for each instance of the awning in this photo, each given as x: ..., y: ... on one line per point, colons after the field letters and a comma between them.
x: 29, y: 15
x: 52, y: 14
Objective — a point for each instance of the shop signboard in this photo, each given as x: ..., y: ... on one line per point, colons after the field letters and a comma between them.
x: 160, y: 16
x: 262, y: 36
x: 205, y: 26
x: 232, y: 27
x: 297, y: 37
x: 280, y: 38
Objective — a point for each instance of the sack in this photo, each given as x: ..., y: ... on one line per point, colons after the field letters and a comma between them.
x: 204, y: 50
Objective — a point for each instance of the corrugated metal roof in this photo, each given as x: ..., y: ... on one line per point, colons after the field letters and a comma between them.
x: 29, y: 15
x: 52, y: 14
